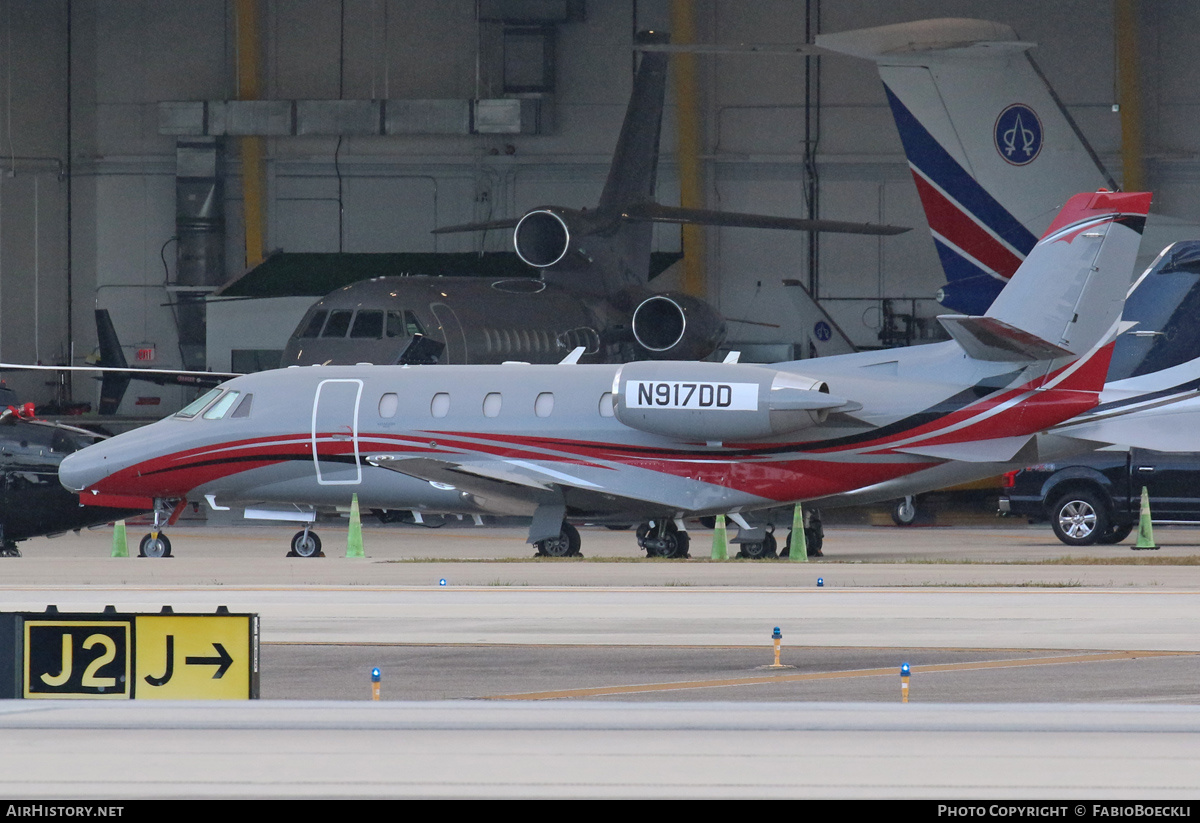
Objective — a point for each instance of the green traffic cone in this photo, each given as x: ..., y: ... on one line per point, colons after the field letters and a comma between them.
x: 354, y: 541
x: 1145, y: 538
x: 799, y: 546
x: 120, y: 546
x: 720, y: 546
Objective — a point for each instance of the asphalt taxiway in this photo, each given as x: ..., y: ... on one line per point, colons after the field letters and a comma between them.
x: 468, y: 629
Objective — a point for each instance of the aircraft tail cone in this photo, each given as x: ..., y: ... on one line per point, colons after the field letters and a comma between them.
x: 798, y: 546
x: 354, y: 541
x: 720, y: 546
x: 1145, y: 536
x: 120, y: 546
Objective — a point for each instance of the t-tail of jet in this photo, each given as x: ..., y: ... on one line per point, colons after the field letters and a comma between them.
x: 604, y: 252
x: 992, y: 149
x: 1067, y: 296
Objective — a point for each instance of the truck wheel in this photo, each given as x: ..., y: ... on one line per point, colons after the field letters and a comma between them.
x: 1079, y: 518
x: 1115, y: 535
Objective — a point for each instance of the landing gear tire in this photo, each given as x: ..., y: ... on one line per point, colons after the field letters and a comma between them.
x: 1115, y: 535
x: 565, y: 545
x: 904, y: 512
x: 9, y: 550
x: 306, y: 544
x: 1079, y: 518
x: 764, y: 550
x: 814, y: 538
x: 155, y: 546
x: 663, y: 540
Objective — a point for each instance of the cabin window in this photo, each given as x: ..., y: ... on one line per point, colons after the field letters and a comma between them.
x: 440, y: 406
x: 606, y: 405
x: 492, y: 403
x: 368, y: 325
x: 196, y: 406
x: 312, y: 328
x: 543, y: 406
x: 243, y: 408
x: 388, y: 404
x: 338, y: 325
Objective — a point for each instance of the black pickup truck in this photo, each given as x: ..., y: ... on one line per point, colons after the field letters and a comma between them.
x: 1095, y: 498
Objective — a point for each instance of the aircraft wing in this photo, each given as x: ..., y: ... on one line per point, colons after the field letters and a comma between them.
x: 996, y: 450
x: 1174, y: 429
x: 511, y: 488
x: 515, y: 487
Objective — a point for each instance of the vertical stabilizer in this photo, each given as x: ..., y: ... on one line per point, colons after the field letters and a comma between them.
x: 112, y: 384
x: 1067, y: 297
x: 633, y: 173
x: 992, y: 150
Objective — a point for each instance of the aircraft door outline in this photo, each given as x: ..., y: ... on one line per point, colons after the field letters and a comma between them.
x: 333, y: 398
x: 452, y: 332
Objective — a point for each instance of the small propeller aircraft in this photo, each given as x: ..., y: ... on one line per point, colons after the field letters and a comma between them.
x: 650, y: 441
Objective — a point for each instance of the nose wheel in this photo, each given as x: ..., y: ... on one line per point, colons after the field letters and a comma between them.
x: 305, y: 543
x: 152, y: 546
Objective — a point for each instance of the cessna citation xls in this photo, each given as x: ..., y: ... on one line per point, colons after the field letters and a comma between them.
x: 652, y: 441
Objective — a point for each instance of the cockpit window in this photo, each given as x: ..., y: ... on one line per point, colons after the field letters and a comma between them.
x: 312, y: 327
x: 196, y: 406
x: 63, y: 443
x: 222, y: 406
x: 403, y: 324
x: 368, y: 325
x: 338, y: 325
x: 243, y: 408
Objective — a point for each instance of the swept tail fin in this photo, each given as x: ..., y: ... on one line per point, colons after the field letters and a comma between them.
x: 992, y: 150
x: 112, y: 384
x: 1067, y: 297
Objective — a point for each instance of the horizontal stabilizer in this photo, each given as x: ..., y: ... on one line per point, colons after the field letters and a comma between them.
x: 485, y: 225
x: 986, y: 338
x: 997, y: 450
x: 670, y: 214
x: 161, y: 376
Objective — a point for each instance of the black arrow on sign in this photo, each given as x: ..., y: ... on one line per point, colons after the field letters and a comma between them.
x: 223, y: 661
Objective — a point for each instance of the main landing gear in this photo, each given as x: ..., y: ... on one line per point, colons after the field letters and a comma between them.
x: 8, y: 548
x: 566, y: 544
x: 662, y: 538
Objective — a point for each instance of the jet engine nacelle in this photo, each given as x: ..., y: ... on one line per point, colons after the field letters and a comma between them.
x: 719, y: 401
x: 543, y: 236
x: 677, y: 326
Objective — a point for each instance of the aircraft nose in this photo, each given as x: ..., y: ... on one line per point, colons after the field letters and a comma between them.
x: 82, y: 469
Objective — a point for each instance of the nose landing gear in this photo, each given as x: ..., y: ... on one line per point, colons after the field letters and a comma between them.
x: 156, y: 544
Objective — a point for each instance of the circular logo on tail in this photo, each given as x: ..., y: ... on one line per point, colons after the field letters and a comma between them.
x: 1018, y: 134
